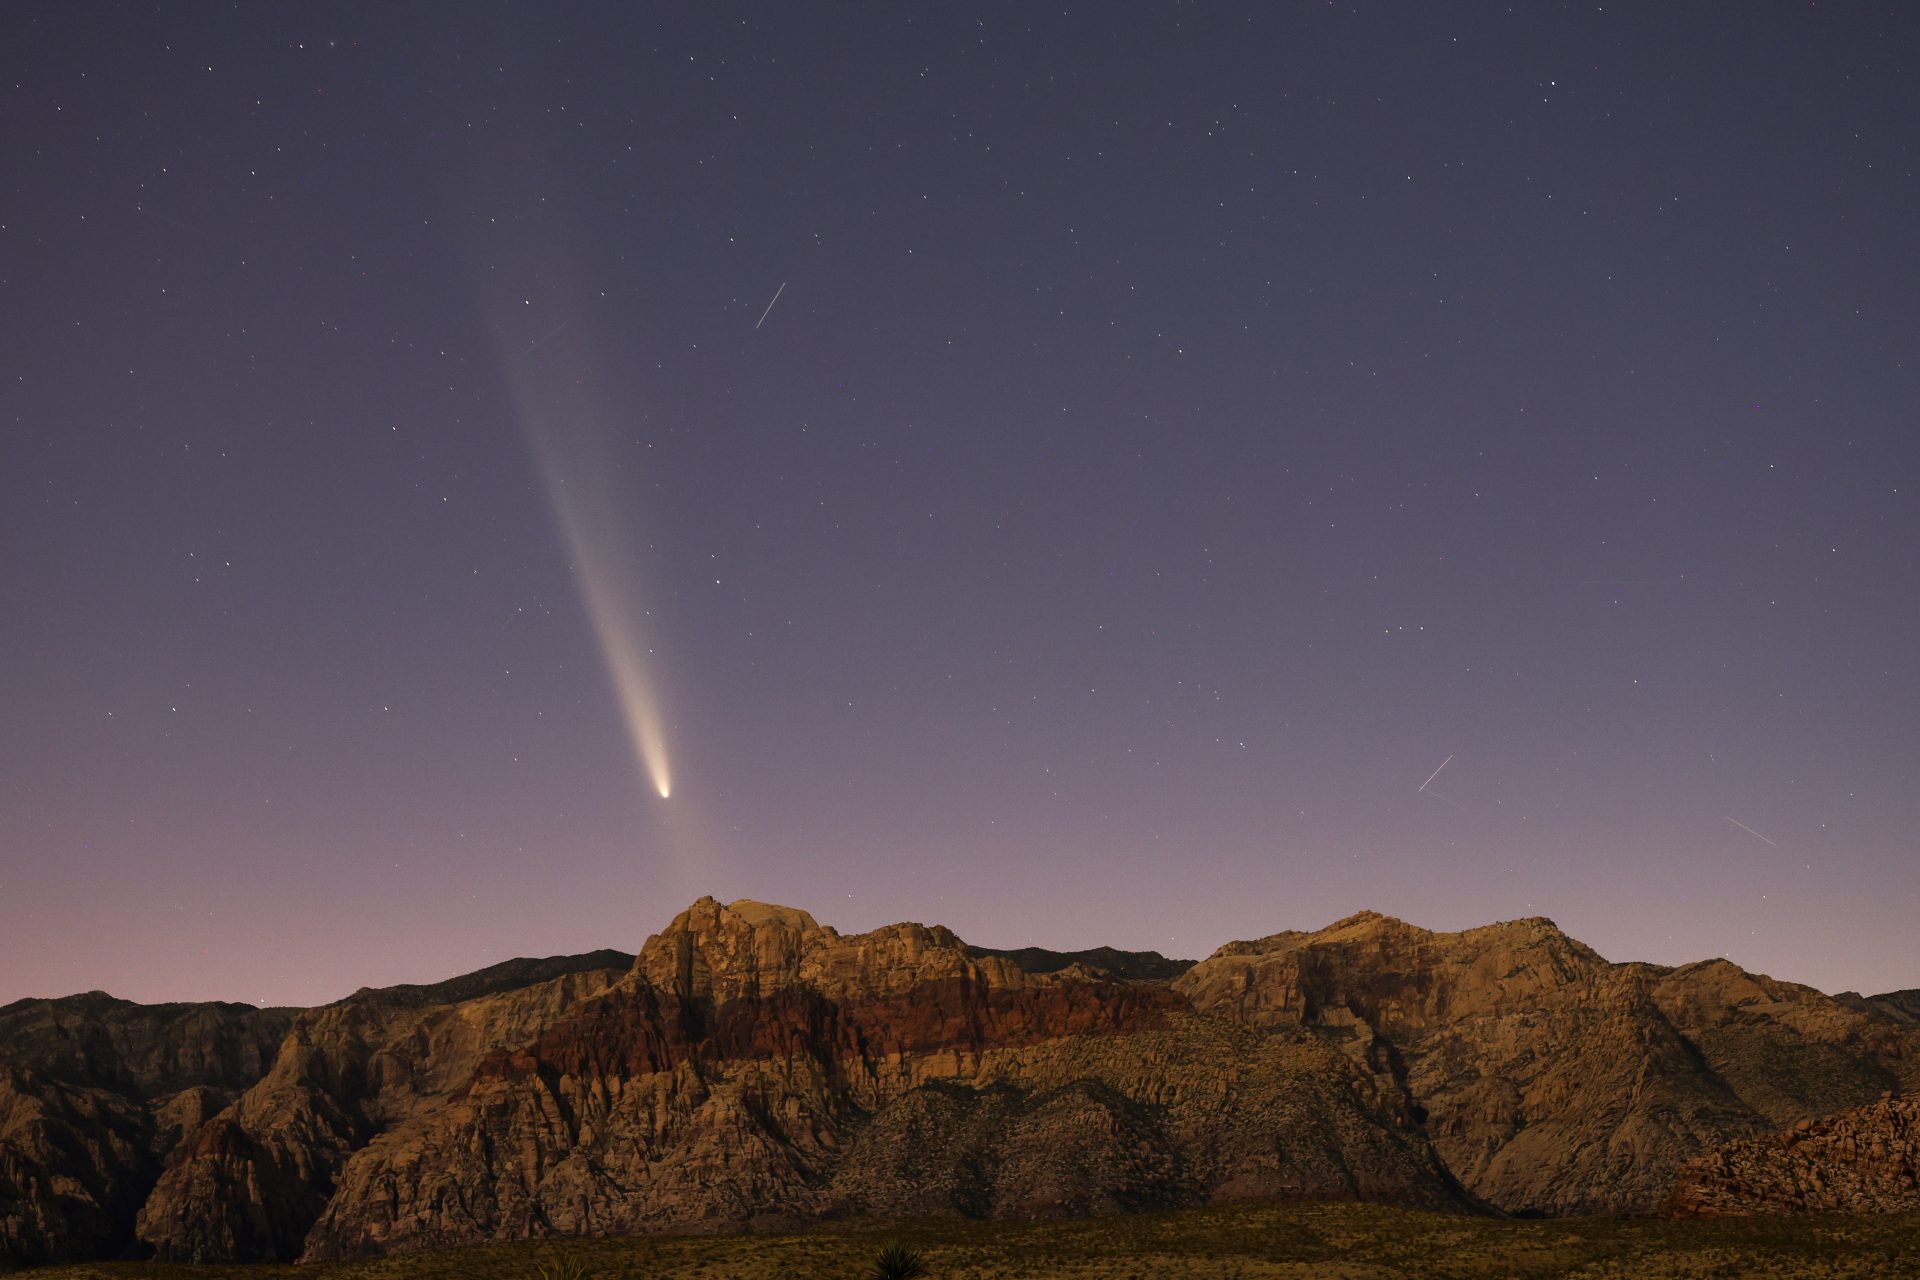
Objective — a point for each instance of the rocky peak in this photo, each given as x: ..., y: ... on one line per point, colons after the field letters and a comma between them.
x: 750, y: 950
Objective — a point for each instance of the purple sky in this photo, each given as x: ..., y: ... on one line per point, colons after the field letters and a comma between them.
x: 1178, y: 431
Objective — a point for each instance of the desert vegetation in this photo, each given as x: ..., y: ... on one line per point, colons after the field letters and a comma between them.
x: 1301, y: 1241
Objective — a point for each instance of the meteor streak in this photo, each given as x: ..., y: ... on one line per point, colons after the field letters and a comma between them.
x: 1436, y: 772
x: 1750, y: 831
x: 769, y: 311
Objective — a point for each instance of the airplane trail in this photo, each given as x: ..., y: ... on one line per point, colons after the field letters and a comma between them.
x: 769, y: 311
x: 1750, y: 831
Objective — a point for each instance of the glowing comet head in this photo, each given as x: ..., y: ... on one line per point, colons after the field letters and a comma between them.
x: 590, y: 511
x: 580, y: 461
x: 616, y: 624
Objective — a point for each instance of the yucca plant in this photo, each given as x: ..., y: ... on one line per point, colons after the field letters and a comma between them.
x: 563, y: 1264
x: 896, y: 1261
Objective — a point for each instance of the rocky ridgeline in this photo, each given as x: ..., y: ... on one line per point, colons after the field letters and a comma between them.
x: 1863, y: 1160
x: 751, y: 1067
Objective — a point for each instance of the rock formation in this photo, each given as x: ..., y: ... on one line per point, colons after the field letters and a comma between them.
x: 1552, y: 1081
x: 752, y: 1067
x: 1901, y: 1006
x: 1864, y: 1160
x: 102, y: 1098
x: 757, y: 1068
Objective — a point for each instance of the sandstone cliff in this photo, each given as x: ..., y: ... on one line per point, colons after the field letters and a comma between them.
x: 751, y: 1066
x: 1902, y: 1007
x: 1551, y: 1080
x: 756, y: 1067
x: 250, y: 1181
x: 1865, y: 1160
x: 94, y: 1095
x: 99, y: 1096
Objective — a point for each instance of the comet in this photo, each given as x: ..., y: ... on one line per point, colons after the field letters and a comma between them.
x: 616, y: 626
x: 567, y: 430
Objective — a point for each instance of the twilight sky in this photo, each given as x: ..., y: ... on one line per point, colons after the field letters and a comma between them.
x: 1179, y: 429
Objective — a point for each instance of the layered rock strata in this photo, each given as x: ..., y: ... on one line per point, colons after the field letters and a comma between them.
x: 752, y: 1067
x: 756, y: 1068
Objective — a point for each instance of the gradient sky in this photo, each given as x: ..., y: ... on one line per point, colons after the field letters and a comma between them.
x: 1180, y: 428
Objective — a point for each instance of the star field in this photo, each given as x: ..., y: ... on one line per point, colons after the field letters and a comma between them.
x: 1173, y: 432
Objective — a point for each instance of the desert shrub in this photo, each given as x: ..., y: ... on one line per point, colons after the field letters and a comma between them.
x: 895, y: 1261
x: 562, y: 1264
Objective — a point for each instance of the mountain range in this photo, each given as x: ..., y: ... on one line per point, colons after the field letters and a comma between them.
x: 750, y: 1068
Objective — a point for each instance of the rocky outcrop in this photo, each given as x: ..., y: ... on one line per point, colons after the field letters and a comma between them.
x: 756, y: 1067
x: 250, y: 1181
x: 1552, y: 1081
x: 95, y: 1093
x: 142, y: 1051
x: 102, y: 1099
x: 74, y: 1162
x: 1864, y: 1160
x: 752, y: 1067
x: 1902, y: 1007
x: 1136, y: 966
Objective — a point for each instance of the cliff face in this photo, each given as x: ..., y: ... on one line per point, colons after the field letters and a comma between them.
x: 252, y: 1179
x: 101, y: 1100
x: 1865, y: 1160
x: 142, y: 1051
x: 73, y: 1162
x: 1902, y: 1007
x: 1552, y: 1081
x: 94, y: 1095
x: 751, y: 1066
x: 755, y: 1067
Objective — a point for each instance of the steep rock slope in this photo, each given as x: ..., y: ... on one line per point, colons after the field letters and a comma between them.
x: 74, y: 1163
x: 1551, y: 1080
x: 142, y: 1051
x: 1864, y: 1160
x: 756, y: 1067
x: 1902, y: 1007
x: 249, y: 1181
x: 94, y: 1094
x: 751, y: 1066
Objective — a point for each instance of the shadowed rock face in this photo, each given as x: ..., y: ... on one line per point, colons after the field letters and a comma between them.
x: 102, y: 1099
x: 251, y: 1182
x: 94, y: 1095
x: 73, y: 1164
x: 751, y: 1067
x: 1865, y: 1160
x: 142, y: 1051
x: 1902, y: 1007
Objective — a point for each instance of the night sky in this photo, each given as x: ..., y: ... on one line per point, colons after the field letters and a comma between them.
x: 1179, y: 429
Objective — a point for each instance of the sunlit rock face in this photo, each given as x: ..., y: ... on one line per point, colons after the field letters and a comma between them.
x: 1552, y: 1081
x: 757, y: 1068
x: 752, y: 1067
